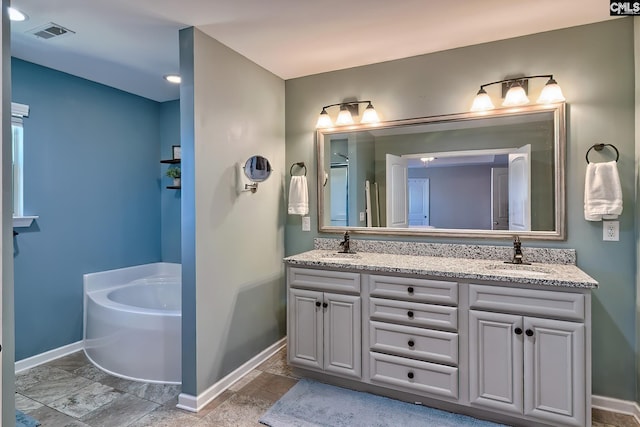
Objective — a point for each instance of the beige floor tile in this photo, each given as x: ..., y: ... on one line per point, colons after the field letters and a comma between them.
x: 244, y: 380
x: 85, y: 400
x: 52, y: 390
x: 613, y: 418
x: 33, y: 376
x: 268, y: 387
x: 211, y: 406
x: 51, y: 418
x: 71, y: 362
x: 123, y: 411
x: 238, y: 411
x: 167, y: 417
x: 25, y: 404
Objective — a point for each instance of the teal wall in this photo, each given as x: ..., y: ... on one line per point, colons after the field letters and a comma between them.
x: 170, y: 199
x: 594, y: 64
x: 92, y: 174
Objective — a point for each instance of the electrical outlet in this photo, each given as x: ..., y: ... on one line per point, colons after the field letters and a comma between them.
x: 361, y: 216
x: 306, y: 223
x: 611, y: 230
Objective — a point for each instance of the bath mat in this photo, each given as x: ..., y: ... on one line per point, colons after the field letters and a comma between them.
x: 310, y: 403
x: 24, y: 420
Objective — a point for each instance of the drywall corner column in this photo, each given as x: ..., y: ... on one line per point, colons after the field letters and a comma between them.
x: 6, y: 243
x: 187, y: 214
x: 232, y: 242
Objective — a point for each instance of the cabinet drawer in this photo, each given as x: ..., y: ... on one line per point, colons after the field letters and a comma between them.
x: 418, y: 343
x: 413, y: 375
x: 534, y: 302
x: 414, y: 313
x: 324, y: 280
x: 407, y: 288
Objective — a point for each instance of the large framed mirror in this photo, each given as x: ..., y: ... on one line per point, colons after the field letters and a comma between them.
x: 488, y: 175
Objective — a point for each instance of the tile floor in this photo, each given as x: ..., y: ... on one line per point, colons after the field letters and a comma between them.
x: 71, y: 392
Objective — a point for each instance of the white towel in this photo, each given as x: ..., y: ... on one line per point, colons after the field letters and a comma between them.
x: 298, y: 196
x: 602, y: 192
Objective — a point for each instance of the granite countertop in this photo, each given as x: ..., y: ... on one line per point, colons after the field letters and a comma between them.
x: 563, y: 275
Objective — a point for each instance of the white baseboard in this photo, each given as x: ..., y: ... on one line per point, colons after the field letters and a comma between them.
x: 195, y: 403
x: 47, y: 356
x: 616, y: 405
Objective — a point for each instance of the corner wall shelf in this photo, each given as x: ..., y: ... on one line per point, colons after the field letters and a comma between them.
x: 171, y: 161
x: 174, y: 187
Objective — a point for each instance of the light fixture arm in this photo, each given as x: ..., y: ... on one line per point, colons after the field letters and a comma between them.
x: 515, y: 79
x: 346, y: 103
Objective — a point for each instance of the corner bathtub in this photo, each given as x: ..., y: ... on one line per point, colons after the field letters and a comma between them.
x: 133, y: 320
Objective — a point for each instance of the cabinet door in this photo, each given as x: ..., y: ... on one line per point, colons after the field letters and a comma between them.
x: 342, y: 335
x: 305, y: 340
x: 495, y: 361
x: 554, y: 371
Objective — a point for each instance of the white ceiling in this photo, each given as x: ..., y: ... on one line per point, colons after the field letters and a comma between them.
x: 131, y: 44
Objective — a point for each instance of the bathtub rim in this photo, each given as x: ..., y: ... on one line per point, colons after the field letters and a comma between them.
x: 126, y: 377
x: 101, y: 297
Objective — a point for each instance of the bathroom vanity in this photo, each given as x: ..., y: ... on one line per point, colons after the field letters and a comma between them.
x: 511, y: 343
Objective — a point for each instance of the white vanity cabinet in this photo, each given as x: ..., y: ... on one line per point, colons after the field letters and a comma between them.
x: 413, y: 335
x: 512, y: 349
x: 527, y: 353
x: 324, y: 326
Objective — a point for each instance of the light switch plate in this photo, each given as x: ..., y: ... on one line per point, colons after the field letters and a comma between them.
x: 611, y: 230
x: 306, y: 223
x: 361, y: 216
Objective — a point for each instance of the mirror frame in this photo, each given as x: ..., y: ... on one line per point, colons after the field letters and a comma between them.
x: 560, y: 142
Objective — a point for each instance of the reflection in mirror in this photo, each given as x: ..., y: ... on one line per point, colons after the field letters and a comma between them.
x: 257, y: 168
x: 482, y: 175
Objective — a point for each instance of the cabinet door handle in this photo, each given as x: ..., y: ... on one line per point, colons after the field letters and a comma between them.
x: 411, y: 343
x: 529, y: 332
x: 410, y: 375
x: 410, y: 314
x: 410, y: 290
x: 325, y: 305
x: 318, y: 304
x: 518, y: 331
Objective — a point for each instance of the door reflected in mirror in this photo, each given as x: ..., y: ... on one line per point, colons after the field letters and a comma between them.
x: 469, y: 174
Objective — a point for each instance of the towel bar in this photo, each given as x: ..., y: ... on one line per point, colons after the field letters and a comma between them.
x: 300, y: 165
x: 600, y: 147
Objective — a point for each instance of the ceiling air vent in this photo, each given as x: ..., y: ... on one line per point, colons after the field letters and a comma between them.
x: 50, y: 31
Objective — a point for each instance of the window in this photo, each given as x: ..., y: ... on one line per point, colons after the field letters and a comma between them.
x: 18, y: 112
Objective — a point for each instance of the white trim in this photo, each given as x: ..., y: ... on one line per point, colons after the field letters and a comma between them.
x: 616, y: 405
x: 19, y: 110
x: 23, y: 221
x: 195, y: 403
x: 47, y: 356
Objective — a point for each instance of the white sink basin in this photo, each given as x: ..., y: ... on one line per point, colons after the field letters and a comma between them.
x: 518, y: 269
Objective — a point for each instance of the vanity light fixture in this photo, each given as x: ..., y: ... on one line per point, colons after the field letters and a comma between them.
x: 347, y: 110
x: 514, y: 92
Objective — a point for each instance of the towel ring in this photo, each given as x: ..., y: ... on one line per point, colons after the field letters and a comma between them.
x: 300, y: 165
x: 599, y: 147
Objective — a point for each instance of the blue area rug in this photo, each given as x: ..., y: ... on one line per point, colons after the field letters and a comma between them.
x: 24, y: 420
x: 310, y: 403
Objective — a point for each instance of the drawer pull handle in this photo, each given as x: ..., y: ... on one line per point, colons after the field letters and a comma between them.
x: 410, y: 290
x: 325, y: 305
x: 410, y: 375
x: 529, y: 332
x: 410, y: 314
x: 318, y: 304
x: 518, y: 331
x: 411, y: 343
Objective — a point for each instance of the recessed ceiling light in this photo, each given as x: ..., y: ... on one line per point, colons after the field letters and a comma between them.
x: 173, y: 78
x: 16, y: 15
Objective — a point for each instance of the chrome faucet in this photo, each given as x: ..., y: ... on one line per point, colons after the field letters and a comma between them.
x: 518, y: 258
x: 345, y: 244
